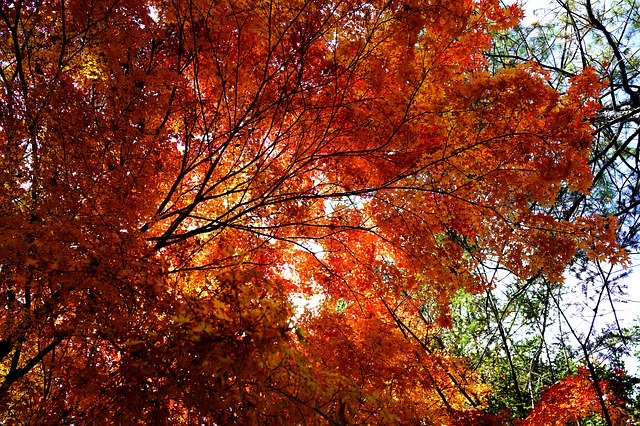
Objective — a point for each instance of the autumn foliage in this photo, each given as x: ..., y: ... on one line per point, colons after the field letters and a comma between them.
x: 174, y: 173
x: 571, y: 400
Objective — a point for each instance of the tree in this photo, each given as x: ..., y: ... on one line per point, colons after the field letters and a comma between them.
x: 174, y: 172
x: 535, y: 333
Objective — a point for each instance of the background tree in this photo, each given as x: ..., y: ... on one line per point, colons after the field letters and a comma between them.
x: 538, y: 331
x: 174, y: 172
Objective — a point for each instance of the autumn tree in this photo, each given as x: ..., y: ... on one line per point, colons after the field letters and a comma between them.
x: 533, y: 334
x: 174, y: 172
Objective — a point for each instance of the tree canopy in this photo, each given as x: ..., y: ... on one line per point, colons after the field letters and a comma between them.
x: 175, y: 174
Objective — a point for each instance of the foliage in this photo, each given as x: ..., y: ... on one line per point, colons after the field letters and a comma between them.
x: 173, y: 173
x: 568, y: 401
x: 539, y: 333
